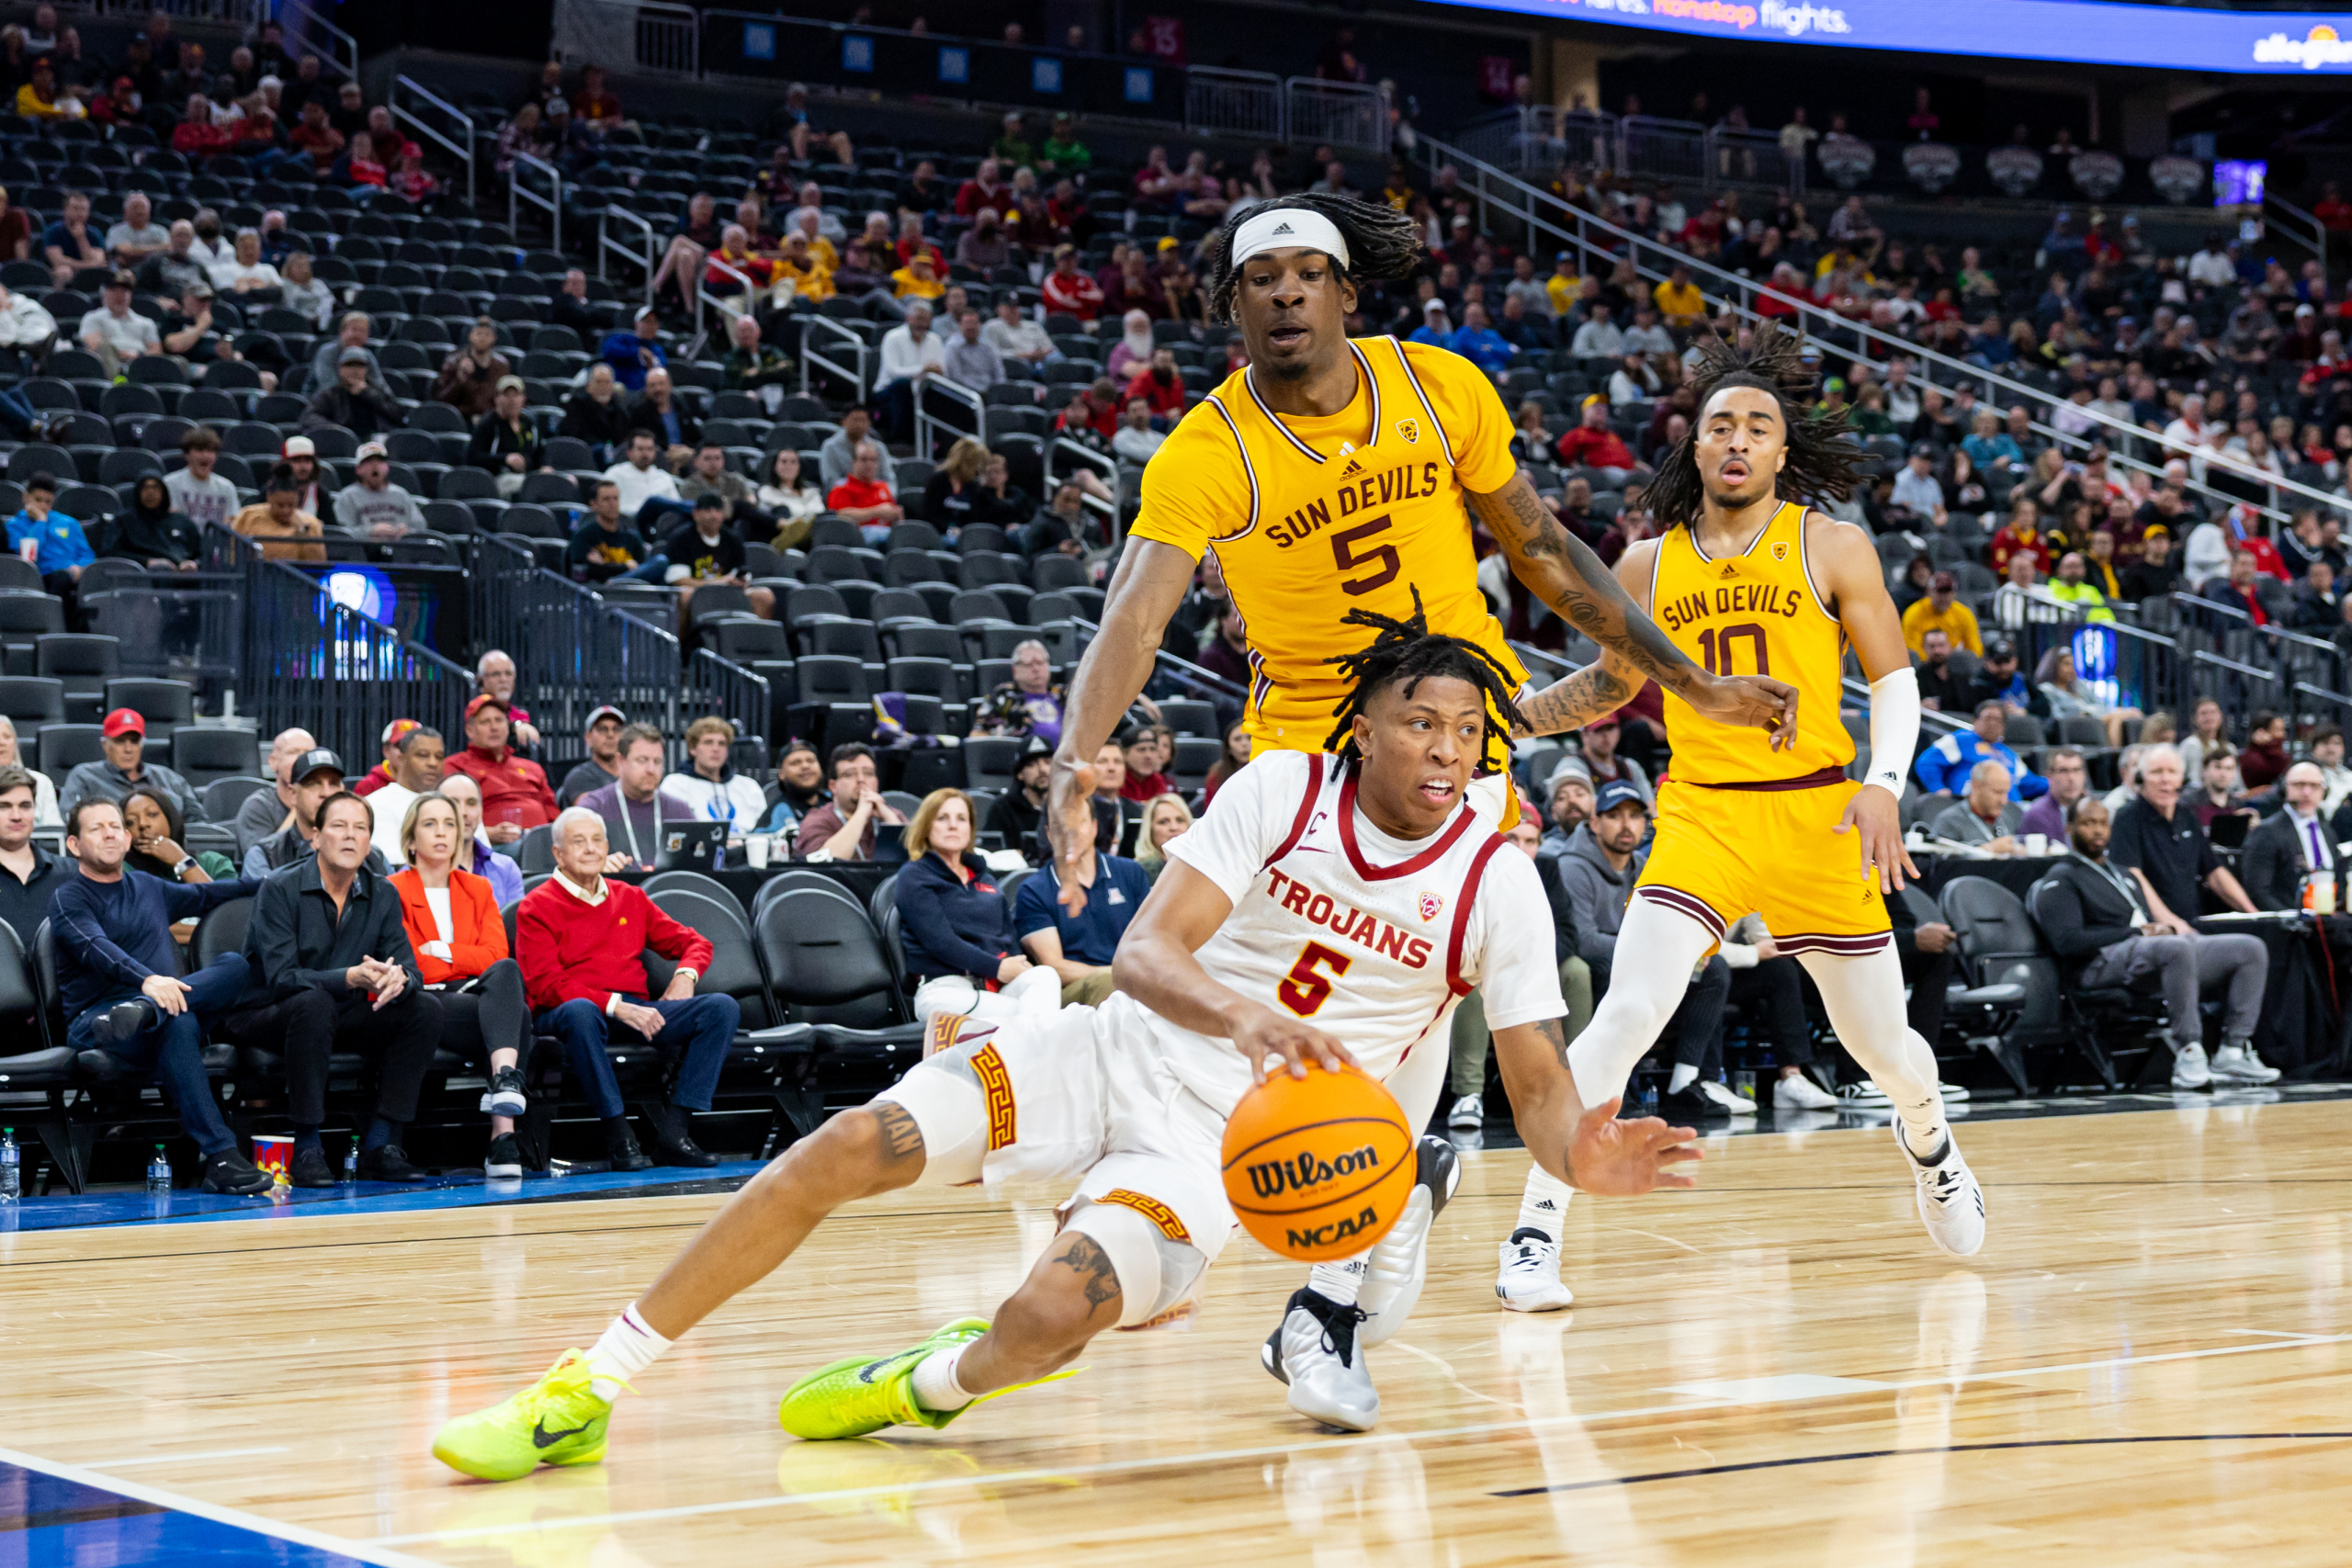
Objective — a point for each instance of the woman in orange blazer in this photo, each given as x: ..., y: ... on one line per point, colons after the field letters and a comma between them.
x: 460, y: 943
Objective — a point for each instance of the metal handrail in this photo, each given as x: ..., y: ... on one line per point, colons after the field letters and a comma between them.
x: 2308, y: 231
x: 854, y: 373
x: 607, y: 245
x: 332, y: 44
x: 552, y: 205
x: 1738, y: 293
x: 461, y: 151
x: 1107, y: 467
x: 925, y: 420
x: 703, y: 296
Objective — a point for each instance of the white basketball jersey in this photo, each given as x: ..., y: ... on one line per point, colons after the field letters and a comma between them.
x: 1373, y: 938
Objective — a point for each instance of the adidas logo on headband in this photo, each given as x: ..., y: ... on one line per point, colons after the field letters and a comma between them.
x: 1284, y: 229
x: 1288, y: 226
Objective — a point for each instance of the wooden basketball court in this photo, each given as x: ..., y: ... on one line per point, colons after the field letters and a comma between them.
x: 2150, y: 1363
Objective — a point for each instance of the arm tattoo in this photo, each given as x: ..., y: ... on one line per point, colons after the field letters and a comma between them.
x: 1083, y: 1256
x: 901, y: 1139
x: 1553, y: 1036
x: 1576, y: 701
x: 1564, y: 572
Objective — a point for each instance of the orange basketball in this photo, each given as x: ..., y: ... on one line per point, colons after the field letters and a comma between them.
x: 1318, y: 1167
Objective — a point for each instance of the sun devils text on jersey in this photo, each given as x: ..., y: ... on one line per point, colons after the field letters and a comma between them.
x: 1310, y: 518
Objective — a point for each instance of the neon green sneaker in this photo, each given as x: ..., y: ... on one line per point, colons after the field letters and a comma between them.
x: 850, y: 1398
x: 557, y: 1420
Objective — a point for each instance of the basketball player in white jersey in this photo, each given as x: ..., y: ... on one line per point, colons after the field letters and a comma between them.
x: 1326, y: 909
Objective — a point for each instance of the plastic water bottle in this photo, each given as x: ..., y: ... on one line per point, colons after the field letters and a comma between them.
x: 12, y: 1167
x: 351, y: 1162
x: 159, y: 1174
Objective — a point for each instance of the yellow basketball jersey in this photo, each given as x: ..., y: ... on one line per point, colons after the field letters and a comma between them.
x: 1310, y: 518
x: 1755, y: 614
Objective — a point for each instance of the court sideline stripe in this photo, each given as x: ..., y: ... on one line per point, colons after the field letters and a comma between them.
x: 1222, y: 1456
x: 1897, y: 1453
x: 301, y: 1535
x: 113, y: 1464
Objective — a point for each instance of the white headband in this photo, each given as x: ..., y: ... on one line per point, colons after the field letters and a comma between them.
x: 1282, y: 228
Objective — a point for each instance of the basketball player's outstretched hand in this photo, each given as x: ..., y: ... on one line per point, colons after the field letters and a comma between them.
x: 1069, y: 827
x: 1757, y: 700
x: 1272, y: 1041
x: 1625, y: 1158
x: 1874, y: 815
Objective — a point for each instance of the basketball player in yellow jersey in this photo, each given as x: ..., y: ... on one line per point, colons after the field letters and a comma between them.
x: 1332, y: 476
x: 1750, y: 578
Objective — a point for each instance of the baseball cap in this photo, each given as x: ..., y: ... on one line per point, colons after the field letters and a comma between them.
x: 487, y: 699
x: 597, y: 715
x: 355, y: 354
x: 318, y: 760
x: 123, y: 721
x: 1923, y: 449
x: 513, y: 381
x: 1943, y: 582
x: 300, y: 446
x: 1615, y: 716
x: 1167, y: 242
x: 371, y: 449
x: 397, y: 730
x: 1614, y: 793
x: 1038, y: 747
x: 2000, y: 647
x: 119, y: 280
x: 1569, y: 768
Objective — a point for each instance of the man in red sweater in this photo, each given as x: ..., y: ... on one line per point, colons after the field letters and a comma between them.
x: 1594, y: 444
x: 1161, y: 386
x: 580, y: 940
x: 515, y: 796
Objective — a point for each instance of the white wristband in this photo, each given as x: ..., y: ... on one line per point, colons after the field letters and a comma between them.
x: 1895, y: 729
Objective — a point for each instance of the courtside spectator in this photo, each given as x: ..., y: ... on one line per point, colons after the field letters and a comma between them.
x: 494, y: 676
x: 960, y: 949
x: 453, y: 925
x: 515, y: 792
x: 266, y: 812
x: 581, y: 939
x: 1018, y: 811
x: 1079, y: 948
x: 844, y: 828
x: 710, y: 786
x: 118, y: 979
x: 30, y: 875
x: 2110, y: 926
x: 2159, y: 834
x: 1594, y: 444
x: 317, y: 775
x: 1986, y: 816
x: 798, y: 787
x: 332, y: 972
x: 634, y: 805
x: 207, y: 498
x: 123, y: 739
x: 1945, y: 767
x: 416, y: 763
x: 602, y: 765
x: 1030, y: 704
x: 45, y: 812
x: 504, y: 875
x: 2069, y: 782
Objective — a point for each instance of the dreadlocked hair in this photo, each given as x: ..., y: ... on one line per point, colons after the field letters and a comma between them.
x: 1822, y: 462
x: 1383, y: 244
x: 1407, y: 653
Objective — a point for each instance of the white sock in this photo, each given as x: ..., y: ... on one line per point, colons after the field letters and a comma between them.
x: 935, y: 1385
x: 627, y: 1348
x: 1341, y: 1282
x: 1543, y: 1205
x: 1683, y: 1076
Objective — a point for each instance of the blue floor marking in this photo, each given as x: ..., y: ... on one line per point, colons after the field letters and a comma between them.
x: 464, y: 1190
x: 53, y: 1521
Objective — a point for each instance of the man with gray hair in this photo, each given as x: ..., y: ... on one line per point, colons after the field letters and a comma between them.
x: 266, y: 812
x: 494, y: 676
x: 351, y: 331
x: 1986, y: 816
x: 911, y: 355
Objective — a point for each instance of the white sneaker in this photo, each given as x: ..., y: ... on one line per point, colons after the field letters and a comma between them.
x: 1862, y: 1095
x: 1730, y: 1099
x: 1801, y: 1093
x: 1395, y: 1268
x: 1315, y: 1351
x: 1528, y: 1276
x: 1469, y: 1113
x: 1953, y: 1094
x: 1951, y: 1205
x: 2189, y: 1069
x: 2238, y: 1064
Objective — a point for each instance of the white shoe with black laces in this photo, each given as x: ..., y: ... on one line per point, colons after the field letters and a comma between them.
x: 1527, y: 1277
x: 1315, y: 1351
x: 1951, y: 1205
x: 2235, y: 1063
x: 1862, y: 1095
x: 1469, y: 1113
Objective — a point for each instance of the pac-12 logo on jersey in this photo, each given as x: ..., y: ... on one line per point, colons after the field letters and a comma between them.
x: 1779, y: 549
x: 1433, y: 906
x: 1410, y: 429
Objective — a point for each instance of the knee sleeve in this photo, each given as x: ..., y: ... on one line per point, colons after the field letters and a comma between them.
x: 1156, y: 1273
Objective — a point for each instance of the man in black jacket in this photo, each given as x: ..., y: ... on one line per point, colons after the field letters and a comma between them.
x: 2110, y: 928
x: 1941, y: 688
x: 2282, y: 855
x: 332, y: 967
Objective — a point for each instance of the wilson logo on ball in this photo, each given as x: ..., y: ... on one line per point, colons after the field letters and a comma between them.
x: 1273, y: 1178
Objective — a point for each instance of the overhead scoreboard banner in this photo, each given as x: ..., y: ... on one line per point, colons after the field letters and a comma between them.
x: 2085, y: 31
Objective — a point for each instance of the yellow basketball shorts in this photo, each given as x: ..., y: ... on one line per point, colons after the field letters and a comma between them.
x: 1720, y: 854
